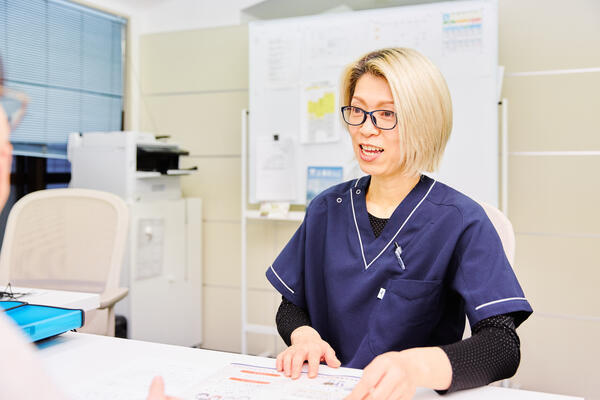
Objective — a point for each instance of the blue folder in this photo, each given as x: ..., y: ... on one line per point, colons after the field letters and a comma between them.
x: 9, y: 305
x: 41, y: 322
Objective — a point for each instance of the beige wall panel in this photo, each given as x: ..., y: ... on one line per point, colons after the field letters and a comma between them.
x: 554, y: 194
x: 281, y: 346
x: 260, y: 238
x: 285, y: 231
x: 548, y: 34
x: 222, y: 319
x: 263, y: 345
x: 261, y: 307
x: 197, y: 60
x: 222, y: 253
x: 553, y: 113
x: 145, y: 122
x: 217, y: 183
x: 203, y: 124
x: 560, y: 275
x: 560, y: 356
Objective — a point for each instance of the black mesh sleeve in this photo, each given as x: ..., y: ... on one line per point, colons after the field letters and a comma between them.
x: 490, y: 354
x: 289, y: 317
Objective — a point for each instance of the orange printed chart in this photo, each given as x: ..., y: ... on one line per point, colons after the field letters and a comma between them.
x: 249, y: 382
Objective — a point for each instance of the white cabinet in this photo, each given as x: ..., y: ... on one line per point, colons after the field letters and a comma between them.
x: 163, y: 270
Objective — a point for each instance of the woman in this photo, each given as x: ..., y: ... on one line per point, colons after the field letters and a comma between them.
x: 383, y: 270
x: 23, y: 369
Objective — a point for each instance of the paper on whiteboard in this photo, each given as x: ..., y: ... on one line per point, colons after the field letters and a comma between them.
x: 462, y: 32
x: 318, y: 114
x: 249, y: 382
x: 275, y: 169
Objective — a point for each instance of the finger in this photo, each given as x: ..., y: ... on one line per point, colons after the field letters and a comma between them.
x: 371, y: 377
x: 157, y: 389
x: 386, y: 386
x: 399, y: 394
x: 297, y: 363
x: 314, y: 360
x: 287, y: 363
x: 331, y: 359
x: 360, y: 391
x: 279, y: 362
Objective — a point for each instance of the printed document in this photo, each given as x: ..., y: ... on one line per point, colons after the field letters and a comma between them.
x: 248, y: 382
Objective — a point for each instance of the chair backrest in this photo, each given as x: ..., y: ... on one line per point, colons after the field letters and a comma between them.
x: 504, y: 229
x: 69, y: 239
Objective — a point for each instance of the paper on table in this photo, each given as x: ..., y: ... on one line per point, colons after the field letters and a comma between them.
x: 249, y: 382
x: 131, y: 381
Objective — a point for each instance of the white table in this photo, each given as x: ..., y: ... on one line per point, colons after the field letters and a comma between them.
x: 59, y: 298
x: 98, y: 367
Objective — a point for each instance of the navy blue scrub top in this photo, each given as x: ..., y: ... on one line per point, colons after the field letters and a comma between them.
x: 355, y: 291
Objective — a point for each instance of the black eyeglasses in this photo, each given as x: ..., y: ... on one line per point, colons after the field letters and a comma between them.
x: 382, y: 119
x: 9, y: 294
x: 14, y: 104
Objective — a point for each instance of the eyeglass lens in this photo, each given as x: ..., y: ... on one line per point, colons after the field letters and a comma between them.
x: 382, y: 119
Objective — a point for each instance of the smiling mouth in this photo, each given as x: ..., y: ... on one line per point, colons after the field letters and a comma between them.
x: 370, y: 149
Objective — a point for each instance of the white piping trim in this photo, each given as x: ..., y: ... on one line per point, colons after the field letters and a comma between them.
x: 555, y: 153
x: 281, y: 280
x: 555, y: 72
x: 402, y: 226
x: 362, y: 251
x: 393, y: 237
x: 356, y: 183
x: 500, y: 301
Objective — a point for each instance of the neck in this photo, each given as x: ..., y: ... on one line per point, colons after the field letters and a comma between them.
x: 387, y: 192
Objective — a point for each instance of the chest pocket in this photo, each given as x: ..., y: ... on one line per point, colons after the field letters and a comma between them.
x: 406, y: 316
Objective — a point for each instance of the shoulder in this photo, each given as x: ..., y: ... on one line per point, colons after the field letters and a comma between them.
x: 320, y: 208
x: 449, y: 200
x: 332, y: 194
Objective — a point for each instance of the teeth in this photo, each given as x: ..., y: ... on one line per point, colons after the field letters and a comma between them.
x: 370, y: 148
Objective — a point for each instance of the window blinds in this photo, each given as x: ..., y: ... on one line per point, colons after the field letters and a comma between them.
x: 69, y: 60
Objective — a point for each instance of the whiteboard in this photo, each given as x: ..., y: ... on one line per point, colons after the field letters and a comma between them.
x: 295, y: 66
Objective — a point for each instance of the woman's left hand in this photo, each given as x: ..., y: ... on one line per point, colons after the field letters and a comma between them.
x: 396, y: 375
x: 388, y: 376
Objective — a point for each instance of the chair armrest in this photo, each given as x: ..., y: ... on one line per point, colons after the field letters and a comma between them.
x: 111, y: 298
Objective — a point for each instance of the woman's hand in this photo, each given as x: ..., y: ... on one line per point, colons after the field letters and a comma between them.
x: 307, y: 345
x: 396, y: 375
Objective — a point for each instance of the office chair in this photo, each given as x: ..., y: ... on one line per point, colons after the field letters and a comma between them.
x: 504, y: 229
x: 69, y: 239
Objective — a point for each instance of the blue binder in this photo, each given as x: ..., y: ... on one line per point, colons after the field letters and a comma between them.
x: 41, y: 322
x: 9, y: 305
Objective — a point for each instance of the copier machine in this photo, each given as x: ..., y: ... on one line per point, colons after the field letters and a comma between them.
x: 163, y: 261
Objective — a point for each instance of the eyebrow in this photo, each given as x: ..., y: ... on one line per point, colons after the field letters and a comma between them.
x: 381, y: 103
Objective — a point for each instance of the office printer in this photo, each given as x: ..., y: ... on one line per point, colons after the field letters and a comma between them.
x: 133, y: 165
x: 162, y: 266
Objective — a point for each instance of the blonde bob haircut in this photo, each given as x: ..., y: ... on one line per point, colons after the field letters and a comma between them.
x: 421, y: 101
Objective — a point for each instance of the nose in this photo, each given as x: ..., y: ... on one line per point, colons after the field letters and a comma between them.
x: 368, y: 129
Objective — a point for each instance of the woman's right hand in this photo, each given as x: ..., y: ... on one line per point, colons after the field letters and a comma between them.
x: 307, y: 345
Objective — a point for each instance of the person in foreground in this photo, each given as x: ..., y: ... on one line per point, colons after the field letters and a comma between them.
x: 21, y: 375
x: 384, y: 269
